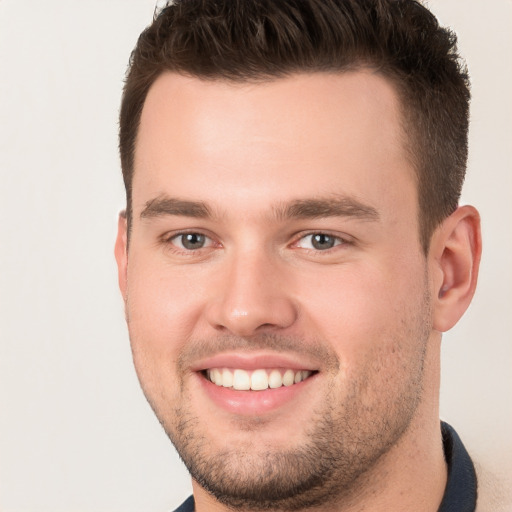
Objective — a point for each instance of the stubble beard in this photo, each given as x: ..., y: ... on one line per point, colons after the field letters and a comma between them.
x: 329, y: 468
x: 344, y: 441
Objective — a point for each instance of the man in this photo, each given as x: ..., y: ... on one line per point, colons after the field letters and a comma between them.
x: 293, y: 248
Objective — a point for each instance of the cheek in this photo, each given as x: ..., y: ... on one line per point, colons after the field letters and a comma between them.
x: 358, y: 308
x: 162, y: 306
x: 162, y: 310
x: 378, y: 327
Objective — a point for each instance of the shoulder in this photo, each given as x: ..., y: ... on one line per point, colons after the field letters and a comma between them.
x: 494, y: 490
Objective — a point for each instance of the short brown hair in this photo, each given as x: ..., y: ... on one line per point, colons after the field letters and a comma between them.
x: 254, y: 40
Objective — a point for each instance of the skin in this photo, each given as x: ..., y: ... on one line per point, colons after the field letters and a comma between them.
x: 232, y: 162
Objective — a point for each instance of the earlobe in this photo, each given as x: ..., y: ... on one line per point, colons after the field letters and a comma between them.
x: 455, y: 252
x: 121, y: 251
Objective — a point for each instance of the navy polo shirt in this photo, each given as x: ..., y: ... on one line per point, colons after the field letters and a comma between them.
x: 460, y: 492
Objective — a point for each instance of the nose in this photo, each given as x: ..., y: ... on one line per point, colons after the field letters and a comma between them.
x: 253, y: 294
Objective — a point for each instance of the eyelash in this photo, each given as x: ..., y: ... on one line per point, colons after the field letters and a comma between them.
x: 168, y: 239
x: 338, y: 241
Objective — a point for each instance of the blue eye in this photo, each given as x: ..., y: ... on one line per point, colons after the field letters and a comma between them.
x: 191, y: 241
x: 322, y: 242
x: 319, y: 241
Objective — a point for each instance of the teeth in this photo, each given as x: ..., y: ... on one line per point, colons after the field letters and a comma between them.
x: 257, y: 380
x: 274, y: 379
x: 288, y: 377
x: 216, y: 377
x: 241, y: 380
x: 227, y: 378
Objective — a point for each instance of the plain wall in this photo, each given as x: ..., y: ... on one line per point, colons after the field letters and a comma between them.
x: 75, y: 431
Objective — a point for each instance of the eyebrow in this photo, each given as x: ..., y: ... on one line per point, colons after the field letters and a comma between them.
x: 337, y: 206
x: 314, y: 208
x: 164, y: 205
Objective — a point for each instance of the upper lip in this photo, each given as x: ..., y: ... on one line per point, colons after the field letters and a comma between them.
x: 254, y: 361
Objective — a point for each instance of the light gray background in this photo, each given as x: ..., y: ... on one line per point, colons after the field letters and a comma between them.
x: 75, y: 431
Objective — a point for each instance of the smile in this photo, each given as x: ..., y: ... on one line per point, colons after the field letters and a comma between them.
x: 255, y: 380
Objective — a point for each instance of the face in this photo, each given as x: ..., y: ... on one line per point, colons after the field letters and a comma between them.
x: 276, y: 290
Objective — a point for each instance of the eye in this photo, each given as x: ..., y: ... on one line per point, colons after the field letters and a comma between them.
x: 319, y: 241
x: 191, y: 241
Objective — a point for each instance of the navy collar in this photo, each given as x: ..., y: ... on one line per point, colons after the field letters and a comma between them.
x: 461, y: 487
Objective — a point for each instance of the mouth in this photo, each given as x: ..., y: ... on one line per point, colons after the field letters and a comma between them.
x: 256, y: 380
x: 253, y: 384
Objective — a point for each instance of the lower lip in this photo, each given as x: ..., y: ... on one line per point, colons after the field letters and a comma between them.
x: 252, y: 403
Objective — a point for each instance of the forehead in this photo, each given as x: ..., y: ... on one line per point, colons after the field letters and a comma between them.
x: 307, y: 134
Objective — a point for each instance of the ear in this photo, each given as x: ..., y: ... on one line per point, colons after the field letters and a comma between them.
x: 455, y: 251
x: 121, y: 251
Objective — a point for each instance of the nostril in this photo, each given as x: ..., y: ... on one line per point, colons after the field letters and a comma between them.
x: 266, y: 326
x: 248, y: 313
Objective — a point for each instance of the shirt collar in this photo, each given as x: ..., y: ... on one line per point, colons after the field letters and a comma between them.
x: 461, y: 487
